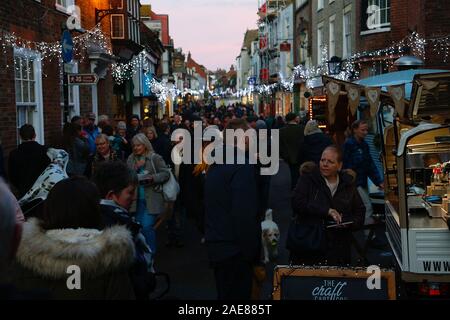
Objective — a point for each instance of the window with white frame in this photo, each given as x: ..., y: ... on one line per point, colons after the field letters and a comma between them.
x: 319, y: 43
x: 332, y: 40
x: 376, y: 15
x: 74, y: 93
x: 63, y: 5
x: 384, y: 11
x: 347, y: 34
x: 28, y: 88
x: 129, y: 6
x: 320, y: 5
x: 133, y: 30
x: 137, y: 10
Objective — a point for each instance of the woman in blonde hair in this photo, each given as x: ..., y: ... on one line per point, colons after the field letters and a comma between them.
x: 152, y: 171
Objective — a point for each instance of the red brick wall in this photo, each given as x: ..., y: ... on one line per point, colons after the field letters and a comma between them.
x: 430, y: 18
x: 29, y: 20
x: 7, y: 99
x: 436, y: 23
x: 105, y: 86
x: 164, y: 18
x: 42, y: 22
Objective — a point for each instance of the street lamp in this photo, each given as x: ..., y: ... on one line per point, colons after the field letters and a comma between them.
x: 408, y: 62
x: 334, y: 65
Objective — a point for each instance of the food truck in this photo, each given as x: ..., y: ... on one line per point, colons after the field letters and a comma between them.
x: 416, y: 160
x: 417, y: 154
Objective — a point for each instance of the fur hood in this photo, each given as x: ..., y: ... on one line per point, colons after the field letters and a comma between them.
x: 49, y: 253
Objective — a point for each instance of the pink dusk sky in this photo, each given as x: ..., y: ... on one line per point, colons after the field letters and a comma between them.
x: 212, y: 30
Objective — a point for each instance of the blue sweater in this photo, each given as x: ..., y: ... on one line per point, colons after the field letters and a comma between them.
x: 357, y: 157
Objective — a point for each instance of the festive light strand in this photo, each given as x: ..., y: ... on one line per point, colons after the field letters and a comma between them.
x: 53, y: 50
x: 412, y: 44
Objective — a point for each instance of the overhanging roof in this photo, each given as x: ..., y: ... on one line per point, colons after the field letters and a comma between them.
x: 396, y: 78
x: 431, y: 96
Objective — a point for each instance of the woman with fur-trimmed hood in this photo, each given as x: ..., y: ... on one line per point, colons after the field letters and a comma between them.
x: 326, y: 195
x: 68, y: 255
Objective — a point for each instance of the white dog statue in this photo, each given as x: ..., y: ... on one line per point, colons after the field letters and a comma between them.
x: 270, y: 237
x: 54, y: 173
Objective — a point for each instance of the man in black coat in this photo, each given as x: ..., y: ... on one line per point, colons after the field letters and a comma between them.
x: 27, y: 162
x: 233, y: 229
x: 291, y: 145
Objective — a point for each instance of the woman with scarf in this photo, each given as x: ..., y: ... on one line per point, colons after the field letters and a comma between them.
x: 153, y: 173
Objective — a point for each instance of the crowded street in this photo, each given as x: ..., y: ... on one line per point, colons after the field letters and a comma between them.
x: 151, y: 151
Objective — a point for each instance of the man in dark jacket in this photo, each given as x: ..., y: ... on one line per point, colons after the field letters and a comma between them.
x: 27, y: 162
x: 91, y: 131
x: 134, y: 128
x: 357, y: 157
x: 233, y: 229
x: 291, y: 145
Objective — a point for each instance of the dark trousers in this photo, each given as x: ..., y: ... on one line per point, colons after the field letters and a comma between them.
x: 234, y: 279
x: 175, y: 223
x: 295, y: 174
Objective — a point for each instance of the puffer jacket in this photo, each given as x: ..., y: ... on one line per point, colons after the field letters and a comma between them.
x: 103, y: 258
x: 357, y: 157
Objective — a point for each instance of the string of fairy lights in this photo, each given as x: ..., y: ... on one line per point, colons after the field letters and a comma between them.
x: 51, y: 51
x: 413, y: 44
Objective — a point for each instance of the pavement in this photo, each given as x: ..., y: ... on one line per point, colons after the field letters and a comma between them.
x: 188, y: 267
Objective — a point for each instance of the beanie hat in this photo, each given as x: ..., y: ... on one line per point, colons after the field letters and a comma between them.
x: 121, y: 126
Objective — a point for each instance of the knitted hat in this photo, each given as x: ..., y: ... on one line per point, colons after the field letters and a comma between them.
x: 312, y: 127
x: 121, y: 126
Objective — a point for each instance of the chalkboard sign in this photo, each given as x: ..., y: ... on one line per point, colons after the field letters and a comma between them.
x: 330, y: 283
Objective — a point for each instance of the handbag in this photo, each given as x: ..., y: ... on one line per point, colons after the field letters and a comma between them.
x: 306, y: 238
x: 169, y: 189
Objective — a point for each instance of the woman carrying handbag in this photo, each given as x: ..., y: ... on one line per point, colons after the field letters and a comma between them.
x: 153, y: 173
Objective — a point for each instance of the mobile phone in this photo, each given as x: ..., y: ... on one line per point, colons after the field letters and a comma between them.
x: 339, y: 225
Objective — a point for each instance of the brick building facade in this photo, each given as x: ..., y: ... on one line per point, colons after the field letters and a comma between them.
x: 429, y: 18
x: 31, y: 85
